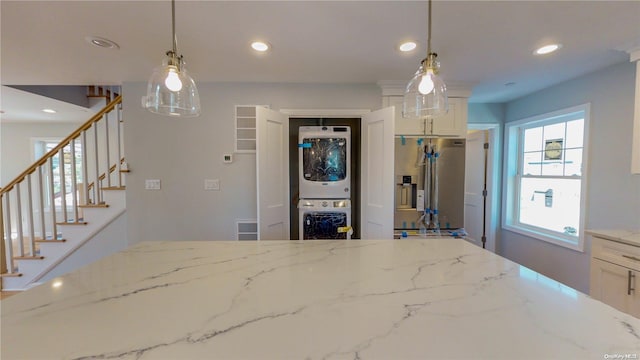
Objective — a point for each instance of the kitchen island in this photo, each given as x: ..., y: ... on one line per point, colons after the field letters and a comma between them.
x: 432, y: 298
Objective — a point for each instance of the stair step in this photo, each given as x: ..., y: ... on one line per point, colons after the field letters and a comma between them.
x: 56, y: 252
x: 15, y: 274
x: 114, y: 188
x: 28, y: 257
x: 50, y: 241
x: 94, y: 206
x: 72, y: 223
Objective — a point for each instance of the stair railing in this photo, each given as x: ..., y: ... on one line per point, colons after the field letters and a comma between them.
x: 53, y: 191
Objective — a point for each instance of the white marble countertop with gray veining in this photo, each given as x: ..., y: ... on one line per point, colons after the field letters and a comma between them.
x: 624, y: 236
x: 435, y: 298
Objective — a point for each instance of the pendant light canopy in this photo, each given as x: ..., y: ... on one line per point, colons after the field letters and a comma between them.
x: 171, y: 91
x: 426, y: 94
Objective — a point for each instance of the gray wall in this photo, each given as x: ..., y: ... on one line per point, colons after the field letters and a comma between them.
x: 182, y: 153
x: 485, y: 113
x: 613, y: 194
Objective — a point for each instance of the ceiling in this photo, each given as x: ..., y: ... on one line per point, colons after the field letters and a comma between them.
x: 22, y: 106
x: 482, y: 45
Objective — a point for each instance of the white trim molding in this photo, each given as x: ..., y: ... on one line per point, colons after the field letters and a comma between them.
x: 325, y: 113
x: 634, y: 56
x: 396, y: 88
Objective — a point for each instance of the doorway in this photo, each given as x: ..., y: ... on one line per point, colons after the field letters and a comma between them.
x: 294, y: 188
x: 482, y: 185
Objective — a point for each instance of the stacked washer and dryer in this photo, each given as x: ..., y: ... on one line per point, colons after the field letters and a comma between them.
x: 324, y: 154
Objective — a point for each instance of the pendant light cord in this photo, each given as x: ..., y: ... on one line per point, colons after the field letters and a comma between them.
x: 173, y: 27
x: 429, y: 31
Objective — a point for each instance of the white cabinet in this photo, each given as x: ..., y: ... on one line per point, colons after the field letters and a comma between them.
x: 453, y: 124
x: 615, y: 268
x: 403, y: 126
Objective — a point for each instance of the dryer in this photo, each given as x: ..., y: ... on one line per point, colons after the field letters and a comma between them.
x: 324, y: 154
x: 325, y: 219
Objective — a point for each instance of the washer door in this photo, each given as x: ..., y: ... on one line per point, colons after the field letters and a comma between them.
x: 324, y: 159
x: 323, y: 225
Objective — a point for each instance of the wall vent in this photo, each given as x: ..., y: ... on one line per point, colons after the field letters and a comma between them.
x: 246, y: 229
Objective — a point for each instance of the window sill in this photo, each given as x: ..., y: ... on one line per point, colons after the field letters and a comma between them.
x: 578, y: 245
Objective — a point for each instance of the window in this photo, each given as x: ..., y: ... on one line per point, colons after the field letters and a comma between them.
x: 545, y: 182
x: 42, y: 147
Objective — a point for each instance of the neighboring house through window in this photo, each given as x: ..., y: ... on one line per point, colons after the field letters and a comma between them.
x: 545, y: 176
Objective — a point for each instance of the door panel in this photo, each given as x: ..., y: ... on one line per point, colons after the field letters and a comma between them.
x: 609, y: 284
x: 377, y: 174
x: 272, y: 168
x: 474, y: 185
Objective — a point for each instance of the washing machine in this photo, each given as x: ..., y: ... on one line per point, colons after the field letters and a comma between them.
x: 325, y: 219
x: 324, y: 154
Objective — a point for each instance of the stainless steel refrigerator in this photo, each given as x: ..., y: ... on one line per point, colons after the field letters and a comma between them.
x: 429, y: 175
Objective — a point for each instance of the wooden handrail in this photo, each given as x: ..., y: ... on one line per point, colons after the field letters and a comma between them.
x: 43, y: 160
x: 103, y: 175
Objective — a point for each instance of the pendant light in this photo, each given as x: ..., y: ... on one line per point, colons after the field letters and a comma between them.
x: 171, y: 91
x: 426, y: 94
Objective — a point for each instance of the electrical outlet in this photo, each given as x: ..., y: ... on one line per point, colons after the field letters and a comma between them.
x: 212, y: 184
x: 152, y: 184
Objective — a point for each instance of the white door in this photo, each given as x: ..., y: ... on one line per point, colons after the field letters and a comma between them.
x: 272, y: 172
x: 474, y: 185
x: 377, y: 185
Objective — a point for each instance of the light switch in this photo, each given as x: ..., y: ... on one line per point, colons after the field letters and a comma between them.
x: 152, y: 184
x: 212, y: 184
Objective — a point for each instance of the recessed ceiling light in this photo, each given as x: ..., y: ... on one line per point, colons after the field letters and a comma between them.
x: 102, y: 42
x: 547, y: 49
x: 49, y: 111
x: 407, y: 46
x: 56, y: 284
x: 260, y: 46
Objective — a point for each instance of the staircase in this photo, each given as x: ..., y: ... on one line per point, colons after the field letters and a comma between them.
x: 64, y: 199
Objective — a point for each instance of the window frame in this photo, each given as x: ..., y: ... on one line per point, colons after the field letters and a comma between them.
x: 513, y: 158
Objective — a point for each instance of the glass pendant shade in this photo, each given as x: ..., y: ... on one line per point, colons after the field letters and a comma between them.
x: 171, y: 91
x: 426, y: 94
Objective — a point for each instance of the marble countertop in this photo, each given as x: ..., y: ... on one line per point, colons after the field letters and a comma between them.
x: 624, y: 236
x: 436, y: 298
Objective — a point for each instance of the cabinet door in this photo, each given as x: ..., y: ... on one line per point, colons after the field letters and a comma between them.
x: 634, y: 301
x: 610, y: 284
x: 403, y: 126
x: 454, y: 123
